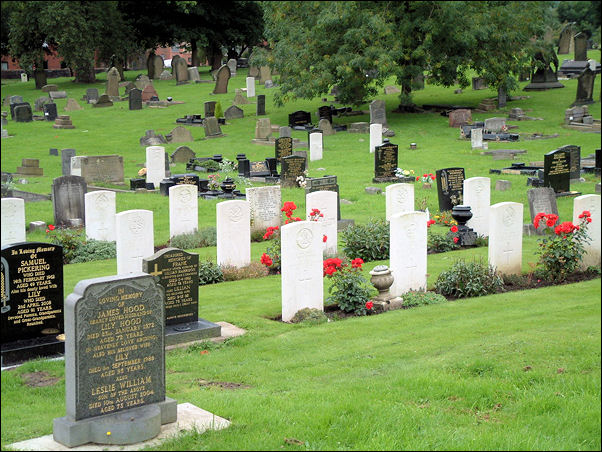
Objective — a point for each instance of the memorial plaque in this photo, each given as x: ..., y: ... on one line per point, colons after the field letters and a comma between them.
x: 178, y: 273
x: 450, y: 182
x: 114, y: 362
x: 557, y: 170
x: 32, y: 301
x: 575, y: 160
x: 50, y: 112
x: 264, y: 207
x: 385, y: 162
x: 299, y: 119
x: 283, y: 147
x: 325, y: 183
x: 259, y: 169
x: 293, y: 166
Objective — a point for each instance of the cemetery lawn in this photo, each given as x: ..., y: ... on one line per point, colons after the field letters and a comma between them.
x: 513, y: 371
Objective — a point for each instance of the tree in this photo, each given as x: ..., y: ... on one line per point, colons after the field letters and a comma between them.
x: 585, y: 15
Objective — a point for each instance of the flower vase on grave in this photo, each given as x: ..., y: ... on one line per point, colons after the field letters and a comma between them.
x: 228, y: 185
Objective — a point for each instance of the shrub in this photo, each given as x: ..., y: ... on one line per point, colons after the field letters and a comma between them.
x: 199, y: 239
x: 209, y: 165
x: 253, y: 270
x: 69, y: 239
x: 94, y: 250
x: 561, y: 254
x: 412, y: 299
x: 349, y: 289
x: 468, y: 279
x: 370, y: 242
x: 310, y: 316
x: 440, y: 243
x: 209, y: 273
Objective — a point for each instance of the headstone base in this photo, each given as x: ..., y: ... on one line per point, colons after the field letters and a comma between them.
x: 23, y: 350
x: 125, y: 427
x: 192, y: 331
x: 379, y: 180
x: 568, y: 193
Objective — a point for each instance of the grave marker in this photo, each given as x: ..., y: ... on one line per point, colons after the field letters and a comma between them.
x: 233, y: 233
x: 13, y: 221
x: 477, y: 195
x: 134, y: 237
x: 68, y: 200
x: 221, y: 80
x: 557, y: 170
x: 66, y: 155
x: 283, y: 147
x: 450, y: 183
x: 378, y: 113
x: 250, y: 87
x: 327, y: 203
x: 293, y: 166
x: 135, y: 99
x: 506, y: 237
x: 183, y: 209
x: 264, y: 207
x: 155, y: 165
x: 376, y: 136
x: 590, y: 203
x: 385, y: 162
x: 100, y: 212
x: 315, y: 146
x: 399, y: 199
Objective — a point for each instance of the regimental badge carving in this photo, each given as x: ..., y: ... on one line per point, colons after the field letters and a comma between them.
x: 136, y: 224
x: 508, y: 217
x: 235, y: 214
x: 304, y: 238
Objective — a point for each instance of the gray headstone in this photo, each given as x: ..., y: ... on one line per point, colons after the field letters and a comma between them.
x: 221, y: 80
x: 100, y: 168
x: 68, y: 201
x: 114, y: 362
x: 181, y: 70
x: 193, y: 74
x: 585, y: 87
x: 40, y: 102
x: 49, y: 88
x: 135, y: 99
x: 113, y: 78
x: 166, y: 75
x: 269, y: 84
x: 285, y: 131
x: 58, y: 94
x: 359, y: 127
x: 326, y: 127
x: 210, y: 108
x: 234, y: 112
x: 180, y: 134
x: 103, y: 101
x: 23, y: 113
x: 182, y: 154
x: 91, y: 95
x: 232, y: 66
x: 72, y: 105
x: 543, y: 200
x: 580, y: 47
x: 212, y: 128
x: 54, y: 151
x: 378, y: 114
x: 240, y: 98
x: 66, y: 155
x: 16, y: 100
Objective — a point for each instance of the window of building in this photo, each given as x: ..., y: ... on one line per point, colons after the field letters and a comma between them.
x: 5, y: 65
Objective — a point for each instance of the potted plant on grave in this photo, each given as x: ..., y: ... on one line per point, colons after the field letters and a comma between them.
x: 426, y: 179
x: 405, y: 176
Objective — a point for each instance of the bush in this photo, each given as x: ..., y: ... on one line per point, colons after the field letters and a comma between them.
x: 349, y: 289
x: 412, y: 299
x: 310, y: 316
x: 253, y: 270
x: 94, y: 250
x: 468, y: 279
x: 199, y: 239
x: 369, y: 242
x: 440, y: 243
x: 209, y: 165
x: 209, y: 273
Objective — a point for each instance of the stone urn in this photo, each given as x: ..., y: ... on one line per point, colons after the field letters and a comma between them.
x: 461, y: 214
x: 382, y: 279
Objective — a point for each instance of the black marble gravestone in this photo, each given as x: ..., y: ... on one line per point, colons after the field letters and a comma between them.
x: 450, y: 183
x: 293, y: 166
x: 557, y: 170
x: 50, y: 112
x: 32, y: 301
x: 328, y: 183
x: 135, y: 99
x: 283, y: 147
x: 385, y: 162
x: 300, y: 120
x: 260, y: 105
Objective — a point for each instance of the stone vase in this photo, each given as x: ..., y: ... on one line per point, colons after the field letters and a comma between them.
x: 381, y: 279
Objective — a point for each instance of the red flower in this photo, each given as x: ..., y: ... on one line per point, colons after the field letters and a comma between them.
x: 51, y: 227
x: 329, y: 270
x: 417, y: 178
x: 266, y: 260
x: 357, y: 263
x: 585, y: 213
x: 324, y: 238
x: 551, y: 220
x: 456, y: 239
x: 429, y: 223
x: 454, y: 229
x: 269, y: 232
x: 565, y: 228
x: 589, y: 220
x: 288, y: 208
x: 296, y: 219
x: 369, y: 305
x: 204, y: 352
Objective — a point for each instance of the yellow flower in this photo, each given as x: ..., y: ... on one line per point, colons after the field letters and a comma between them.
x: 142, y: 172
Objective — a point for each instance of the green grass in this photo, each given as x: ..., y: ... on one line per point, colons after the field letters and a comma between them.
x: 504, y: 372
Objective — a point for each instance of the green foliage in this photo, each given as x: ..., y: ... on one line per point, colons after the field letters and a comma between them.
x: 440, y: 243
x: 94, y: 250
x: 253, y: 270
x: 210, y: 165
x: 209, y: 273
x: 412, y: 299
x: 198, y: 239
x: 309, y: 316
x: 369, y: 242
x: 76, y: 248
x: 561, y: 254
x: 219, y: 111
x: 468, y: 279
x: 349, y: 289
x: 584, y: 15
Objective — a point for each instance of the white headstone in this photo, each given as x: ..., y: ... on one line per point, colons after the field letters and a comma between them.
x: 13, y: 221
x: 315, y: 146
x: 327, y: 203
x: 264, y: 205
x: 477, y: 195
x: 408, y: 250
x: 135, y: 239
x: 590, y: 203
x: 376, y: 136
x: 506, y: 237
x: 232, y: 65
x: 302, y: 268
x: 76, y: 165
x: 399, y: 199
x: 233, y: 233
x: 183, y: 209
x: 250, y: 87
x: 100, y: 215
x: 155, y: 164
x: 476, y: 138
x: 23, y: 77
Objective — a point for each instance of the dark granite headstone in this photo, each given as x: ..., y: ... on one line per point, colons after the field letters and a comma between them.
x: 178, y: 179
x: 385, y: 162
x: 91, y: 95
x: 66, y: 155
x: 135, y: 99
x: 328, y: 183
x: 23, y: 113
x: 450, y: 183
x: 598, y: 159
x: 575, y: 160
x: 210, y: 108
x: 13, y: 105
x: 298, y: 120
x: 557, y: 170
x: 244, y: 168
x: 114, y: 362
x: 543, y: 76
x: 178, y: 273
x: 54, y: 151
x: 543, y: 200
x: 283, y: 147
x: 272, y: 165
x: 137, y: 183
x: 580, y: 40
x: 68, y: 193
x: 260, y: 169
x: 32, y: 301
x: 260, y: 105
x: 293, y: 166
x: 50, y: 113
x: 325, y: 112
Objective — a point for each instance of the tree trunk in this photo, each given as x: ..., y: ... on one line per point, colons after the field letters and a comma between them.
x: 196, y: 59
x: 214, y: 55
x: 501, y: 97
x: 85, y: 74
x: 40, y: 77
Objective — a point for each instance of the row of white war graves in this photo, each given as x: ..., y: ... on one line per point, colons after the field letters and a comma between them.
x: 116, y: 328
